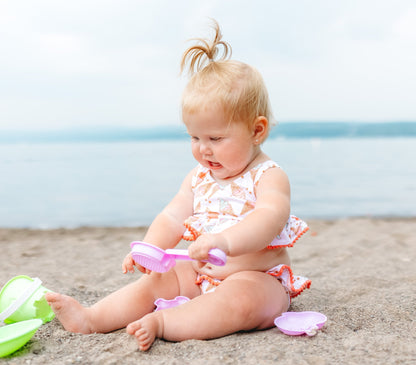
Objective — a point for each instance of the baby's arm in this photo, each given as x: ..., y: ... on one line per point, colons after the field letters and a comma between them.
x: 167, y: 228
x: 258, y: 229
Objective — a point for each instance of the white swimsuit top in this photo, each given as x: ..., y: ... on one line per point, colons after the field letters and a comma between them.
x: 218, y: 207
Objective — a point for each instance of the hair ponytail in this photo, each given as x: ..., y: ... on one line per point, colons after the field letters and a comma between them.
x: 205, y: 52
x: 218, y: 81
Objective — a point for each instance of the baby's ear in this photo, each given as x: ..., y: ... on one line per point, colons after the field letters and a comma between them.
x: 260, y: 129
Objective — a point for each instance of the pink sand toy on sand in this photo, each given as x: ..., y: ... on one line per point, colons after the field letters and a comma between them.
x: 299, y: 323
x: 170, y: 303
x: 158, y: 260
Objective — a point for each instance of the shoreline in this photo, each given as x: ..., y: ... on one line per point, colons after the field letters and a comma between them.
x: 362, y: 271
x: 144, y: 226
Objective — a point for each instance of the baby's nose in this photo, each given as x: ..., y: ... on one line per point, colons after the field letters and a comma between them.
x: 204, y: 149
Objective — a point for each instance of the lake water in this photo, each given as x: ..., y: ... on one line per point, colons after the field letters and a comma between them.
x: 70, y: 184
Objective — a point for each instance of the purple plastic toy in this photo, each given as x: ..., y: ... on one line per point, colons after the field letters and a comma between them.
x: 299, y: 323
x: 158, y: 260
x: 170, y: 303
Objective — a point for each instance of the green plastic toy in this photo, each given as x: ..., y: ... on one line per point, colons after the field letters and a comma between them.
x: 14, y: 336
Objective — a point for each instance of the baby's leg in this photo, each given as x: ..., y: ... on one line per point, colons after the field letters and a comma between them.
x: 244, y: 301
x: 124, y: 305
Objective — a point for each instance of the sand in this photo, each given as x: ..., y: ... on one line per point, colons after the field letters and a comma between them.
x: 363, y: 279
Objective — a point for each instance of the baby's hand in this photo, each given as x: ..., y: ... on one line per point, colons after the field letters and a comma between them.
x: 129, y: 264
x: 200, y: 248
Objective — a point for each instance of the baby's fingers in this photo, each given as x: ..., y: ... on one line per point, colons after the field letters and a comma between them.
x: 127, y: 268
x: 140, y: 268
x: 127, y: 265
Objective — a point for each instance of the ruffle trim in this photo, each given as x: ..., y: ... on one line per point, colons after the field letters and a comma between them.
x: 211, y: 280
x: 294, y: 284
x: 191, y: 234
x: 290, y: 244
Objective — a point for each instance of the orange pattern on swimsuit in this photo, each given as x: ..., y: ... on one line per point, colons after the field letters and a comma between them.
x: 294, y: 284
x: 218, y: 207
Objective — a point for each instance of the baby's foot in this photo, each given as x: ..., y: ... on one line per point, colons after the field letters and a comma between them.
x: 73, y: 316
x: 146, y: 329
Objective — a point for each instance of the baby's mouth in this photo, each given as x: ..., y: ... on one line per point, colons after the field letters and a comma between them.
x: 214, y: 165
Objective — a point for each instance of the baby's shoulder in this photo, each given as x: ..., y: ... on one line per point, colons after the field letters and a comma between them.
x: 268, y: 167
x: 272, y: 176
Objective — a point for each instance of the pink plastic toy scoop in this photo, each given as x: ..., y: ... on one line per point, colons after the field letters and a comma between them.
x: 158, y: 260
x: 299, y: 323
x: 170, y: 303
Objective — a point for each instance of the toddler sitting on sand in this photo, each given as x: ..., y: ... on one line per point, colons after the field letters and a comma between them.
x: 236, y: 199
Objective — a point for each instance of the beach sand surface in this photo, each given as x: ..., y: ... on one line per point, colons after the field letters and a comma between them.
x: 363, y: 275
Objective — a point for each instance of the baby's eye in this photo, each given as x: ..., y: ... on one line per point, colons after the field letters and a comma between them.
x: 194, y: 139
x: 215, y: 139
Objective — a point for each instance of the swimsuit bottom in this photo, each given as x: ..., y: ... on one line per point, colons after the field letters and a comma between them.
x: 293, y: 284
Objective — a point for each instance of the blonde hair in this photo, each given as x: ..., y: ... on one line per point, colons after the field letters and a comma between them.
x: 235, y: 86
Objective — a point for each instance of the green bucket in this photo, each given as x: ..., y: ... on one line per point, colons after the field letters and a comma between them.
x: 23, y: 298
x: 16, y: 335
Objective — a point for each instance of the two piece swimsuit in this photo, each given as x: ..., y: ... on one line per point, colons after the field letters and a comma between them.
x: 218, y: 207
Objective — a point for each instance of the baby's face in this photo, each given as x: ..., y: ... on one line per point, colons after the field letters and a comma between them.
x: 226, y: 148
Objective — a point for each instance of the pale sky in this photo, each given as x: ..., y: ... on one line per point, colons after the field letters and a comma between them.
x: 76, y: 63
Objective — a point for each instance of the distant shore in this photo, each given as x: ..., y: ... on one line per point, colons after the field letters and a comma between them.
x: 363, y: 278
x: 285, y: 129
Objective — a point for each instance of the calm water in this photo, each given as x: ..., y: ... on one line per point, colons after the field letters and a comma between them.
x: 128, y: 183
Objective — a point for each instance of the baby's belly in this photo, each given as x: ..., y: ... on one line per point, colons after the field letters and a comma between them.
x: 259, y: 261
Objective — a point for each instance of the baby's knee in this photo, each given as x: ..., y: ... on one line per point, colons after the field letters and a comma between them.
x: 256, y: 297
x: 241, y: 297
